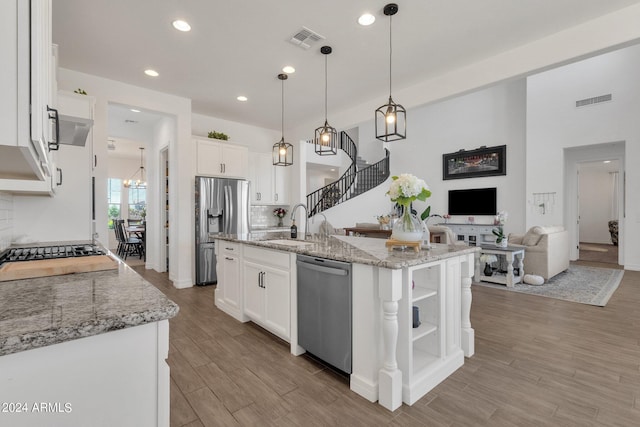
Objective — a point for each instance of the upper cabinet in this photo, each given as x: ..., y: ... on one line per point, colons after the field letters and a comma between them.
x: 221, y: 159
x: 269, y: 184
x: 27, y: 87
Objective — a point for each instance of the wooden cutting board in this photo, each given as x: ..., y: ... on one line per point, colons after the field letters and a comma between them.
x: 55, y: 267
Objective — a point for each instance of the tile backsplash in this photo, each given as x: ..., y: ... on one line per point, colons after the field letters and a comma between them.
x: 6, y: 220
x: 262, y: 216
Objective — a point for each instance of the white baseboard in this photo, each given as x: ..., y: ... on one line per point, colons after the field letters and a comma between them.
x: 632, y: 267
x: 181, y: 284
x: 364, y: 388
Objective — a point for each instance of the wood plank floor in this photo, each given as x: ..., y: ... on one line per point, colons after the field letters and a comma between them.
x: 538, y: 362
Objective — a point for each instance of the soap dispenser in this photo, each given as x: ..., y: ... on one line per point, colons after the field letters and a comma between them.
x: 294, y: 230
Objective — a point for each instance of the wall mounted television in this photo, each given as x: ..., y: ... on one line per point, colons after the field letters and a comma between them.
x: 475, y: 201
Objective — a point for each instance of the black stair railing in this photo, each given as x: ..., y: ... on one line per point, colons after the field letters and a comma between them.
x: 352, y: 183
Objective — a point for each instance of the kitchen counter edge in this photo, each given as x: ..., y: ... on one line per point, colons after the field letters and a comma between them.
x: 360, y: 250
x: 128, y: 301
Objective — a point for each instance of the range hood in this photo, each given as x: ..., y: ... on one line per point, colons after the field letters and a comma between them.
x: 74, y: 130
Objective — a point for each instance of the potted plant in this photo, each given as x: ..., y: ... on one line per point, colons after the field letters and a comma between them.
x: 501, y: 239
x: 218, y: 135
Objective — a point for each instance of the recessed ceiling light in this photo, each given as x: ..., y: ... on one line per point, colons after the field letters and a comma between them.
x: 289, y: 69
x: 152, y: 73
x: 607, y: 161
x: 242, y: 98
x: 332, y: 170
x: 181, y: 25
x: 366, y: 19
x: 134, y: 110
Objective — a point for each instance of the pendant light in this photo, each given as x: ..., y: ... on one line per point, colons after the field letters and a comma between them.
x: 391, y: 124
x: 140, y: 182
x: 282, y: 151
x: 326, y: 137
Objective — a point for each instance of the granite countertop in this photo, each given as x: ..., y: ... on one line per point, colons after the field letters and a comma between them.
x: 49, y: 310
x: 360, y: 250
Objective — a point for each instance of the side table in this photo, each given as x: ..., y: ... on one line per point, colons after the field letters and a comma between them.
x: 512, y: 254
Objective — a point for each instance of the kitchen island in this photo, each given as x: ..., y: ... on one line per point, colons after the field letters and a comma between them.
x: 84, y: 349
x: 392, y: 362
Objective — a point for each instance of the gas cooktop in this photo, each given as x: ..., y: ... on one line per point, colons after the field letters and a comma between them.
x: 49, y: 252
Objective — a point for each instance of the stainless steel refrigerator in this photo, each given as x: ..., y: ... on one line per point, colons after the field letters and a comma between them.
x: 222, y: 206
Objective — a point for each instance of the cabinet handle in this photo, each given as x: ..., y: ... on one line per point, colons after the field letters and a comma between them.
x: 276, y: 197
x: 59, y: 183
x: 229, y: 249
x: 263, y: 285
x: 54, y: 145
x: 224, y: 167
x: 260, y: 279
x: 95, y: 161
x: 228, y: 259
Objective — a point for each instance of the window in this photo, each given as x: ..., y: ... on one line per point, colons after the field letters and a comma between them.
x: 137, y: 202
x: 114, y: 198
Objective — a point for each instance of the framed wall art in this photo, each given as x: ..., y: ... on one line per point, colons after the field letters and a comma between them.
x: 484, y: 161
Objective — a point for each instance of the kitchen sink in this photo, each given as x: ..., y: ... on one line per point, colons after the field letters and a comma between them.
x: 288, y: 242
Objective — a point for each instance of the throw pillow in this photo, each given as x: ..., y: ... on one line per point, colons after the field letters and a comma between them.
x: 532, y: 237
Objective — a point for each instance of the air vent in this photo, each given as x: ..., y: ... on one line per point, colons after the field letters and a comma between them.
x: 305, y: 38
x: 594, y: 100
x: 111, y: 145
x: 130, y: 121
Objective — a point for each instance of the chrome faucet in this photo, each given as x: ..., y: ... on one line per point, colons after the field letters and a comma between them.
x: 306, y: 219
x: 326, y: 231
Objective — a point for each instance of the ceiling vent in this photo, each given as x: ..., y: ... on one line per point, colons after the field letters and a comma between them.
x: 130, y: 121
x: 305, y: 38
x: 594, y: 100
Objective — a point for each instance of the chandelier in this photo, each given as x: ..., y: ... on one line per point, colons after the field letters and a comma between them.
x: 140, y: 182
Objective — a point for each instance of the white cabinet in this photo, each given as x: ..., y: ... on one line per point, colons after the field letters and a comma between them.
x: 473, y: 234
x: 228, y: 290
x: 26, y: 82
x: 267, y: 283
x: 269, y: 184
x: 261, y: 177
x: 282, y: 180
x: 221, y: 159
x: 430, y: 351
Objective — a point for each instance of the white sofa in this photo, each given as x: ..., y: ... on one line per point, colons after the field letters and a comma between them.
x: 546, y: 250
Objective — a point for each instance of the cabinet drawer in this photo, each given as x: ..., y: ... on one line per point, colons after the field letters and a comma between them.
x: 269, y: 257
x: 229, y: 248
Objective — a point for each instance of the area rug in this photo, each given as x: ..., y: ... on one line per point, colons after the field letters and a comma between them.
x: 586, y: 285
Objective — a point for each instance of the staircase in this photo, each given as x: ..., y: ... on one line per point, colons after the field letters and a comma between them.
x: 359, y: 178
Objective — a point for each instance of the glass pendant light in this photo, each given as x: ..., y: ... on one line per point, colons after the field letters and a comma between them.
x: 282, y: 151
x: 140, y: 182
x: 326, y: 136
x: 391, y: 124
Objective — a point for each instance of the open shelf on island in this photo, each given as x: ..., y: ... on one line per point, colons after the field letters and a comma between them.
x: 422, y: 293
x: 421, y: 360
x: 424, y: 329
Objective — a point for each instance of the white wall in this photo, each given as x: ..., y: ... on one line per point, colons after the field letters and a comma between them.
x: 554, y: 124
x: 492, y: 116
x: 256, y: 138
x: 596, y: 199
x: 6, y: 220
x: 181, y: 153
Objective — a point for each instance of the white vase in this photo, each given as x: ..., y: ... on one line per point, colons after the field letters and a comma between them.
x: 503, y: 244
x: 407, y: 228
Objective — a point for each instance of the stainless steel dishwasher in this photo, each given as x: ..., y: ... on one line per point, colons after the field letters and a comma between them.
x: 324, y: 310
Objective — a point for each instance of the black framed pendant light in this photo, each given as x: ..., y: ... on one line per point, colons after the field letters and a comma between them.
x: 326, y: 136
x: 391, y: 118
x: 282, y: 151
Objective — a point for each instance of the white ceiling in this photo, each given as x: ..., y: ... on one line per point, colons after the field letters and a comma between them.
x: 238, y: 47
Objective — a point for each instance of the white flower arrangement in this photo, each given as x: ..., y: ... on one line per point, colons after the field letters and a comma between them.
x: 501, y: 218
x: 406, y: 188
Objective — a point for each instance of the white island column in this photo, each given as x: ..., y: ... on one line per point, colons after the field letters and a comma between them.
x: 468, y: 334
x: 389, y: 376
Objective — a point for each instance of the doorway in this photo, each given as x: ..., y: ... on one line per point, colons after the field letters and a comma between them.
x: 598, y: 184
x: 594, y: 202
